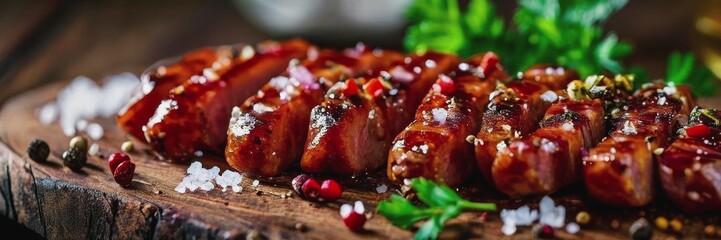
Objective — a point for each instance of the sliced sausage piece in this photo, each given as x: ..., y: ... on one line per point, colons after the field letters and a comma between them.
x: 514, y: 111
x: 351, y: 131
x: 159, y: 79
x: 267, y: 132
x: 195, y: 116
x: 434, y: 145
x: 549, y: 158
x: 620, y: 170
x: 690, y: 168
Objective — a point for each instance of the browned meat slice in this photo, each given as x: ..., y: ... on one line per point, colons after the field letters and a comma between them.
x: 434, y: 145
x: 620, y: 170
x: 690, y: 168
x: 514, y: 111
x: 157, y: 81
x: 549, y: 158
x: 267, y: 133
x: 351, y: 131
x: 195, y: 116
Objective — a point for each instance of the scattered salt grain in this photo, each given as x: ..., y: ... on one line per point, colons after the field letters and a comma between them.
x: 84, y: 99
x: 439, y: 115
x: 629, y: 128
x: 567, y: 126
x: 551, y: 214
x: 94, y: 148
x: 256, y: 183
x: 382, y: 188
x: 572, y: 228
x: 549, y: 96
x: 206, y: 179
x: 48, y: 113
x: 81, y: 125
x: 508, y: 229
x: 95, y: 131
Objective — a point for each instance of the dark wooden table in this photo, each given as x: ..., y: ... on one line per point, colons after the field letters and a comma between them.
x: 42, y: 42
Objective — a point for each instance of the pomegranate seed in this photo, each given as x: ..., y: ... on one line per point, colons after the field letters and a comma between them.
x: 353, y: 216
x: 542, y: 231
x: 698, y: 131
x: 116, y: 159
x: 489, y: 63
x: 330, y: 190
x: 311, y: 189
x: 351, y: 88
x: 374, y: 87
x: 298, y: 182
x: 123, y: 174
x: 444, y: 85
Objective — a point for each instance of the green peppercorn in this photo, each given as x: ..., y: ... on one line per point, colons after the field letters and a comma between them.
x: 74, y: 158
x: 79, y: 143
x: 38, y: 150
x: 127, y: 146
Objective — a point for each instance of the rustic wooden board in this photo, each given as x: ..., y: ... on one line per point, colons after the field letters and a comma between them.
x: 58, y: 203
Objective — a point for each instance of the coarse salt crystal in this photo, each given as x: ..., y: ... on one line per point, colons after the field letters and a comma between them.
x: 95, y: 131
x: 94, y: 148
x: 629, y: 128
x: 439, y: 115
x: 567, y: 126
x: 48, y: 113
x: 573, y: 228
x: 256, y: 183
x: 549, y: 96
x: 382, y: 188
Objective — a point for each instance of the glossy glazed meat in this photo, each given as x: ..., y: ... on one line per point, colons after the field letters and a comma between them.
x: 434, y: 145
x: 195, y: 116
x: 690, y: 168
x: 267, y: 132
x: 550, y: 158
x: 351, y: 131
x: 158, y: 80
x: 514, y: 111
x: 620, y: 170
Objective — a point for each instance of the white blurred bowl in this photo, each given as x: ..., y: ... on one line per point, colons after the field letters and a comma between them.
x: 331, y: 20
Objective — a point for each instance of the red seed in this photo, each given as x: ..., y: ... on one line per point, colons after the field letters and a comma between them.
x: 330, y: 190
x: 116, y: 159
x: 351, y: 88
x: 546, y: 231
x: 298, y: 182
x: 698, y: 131
x: 123, y: 174
x: 374, y: 87
x: 444, y: 85
x: 489, y: 63
x: 353, y: 216
x: 311, y: 189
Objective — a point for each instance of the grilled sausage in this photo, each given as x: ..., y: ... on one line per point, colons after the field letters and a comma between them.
x: 434, y: 145
x: 158, y: 80
x: 690, y: 168
x: 620, y: 170
x: 267, y: 133
x: 351, y: 131
x: 515, y: 111
x: 195, y: 116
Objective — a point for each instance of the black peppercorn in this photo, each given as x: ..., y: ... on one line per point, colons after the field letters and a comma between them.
x: 74, y: 158
x: 640, y: 229
x: 38, y: 150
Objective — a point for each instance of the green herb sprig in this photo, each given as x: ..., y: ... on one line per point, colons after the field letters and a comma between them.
x: 564, y: 32
x: 442, y: 204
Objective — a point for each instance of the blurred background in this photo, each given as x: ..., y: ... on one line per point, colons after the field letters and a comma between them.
x: 54, y: 40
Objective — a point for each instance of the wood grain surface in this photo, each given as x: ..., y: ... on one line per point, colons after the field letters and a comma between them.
x: 45, y: 42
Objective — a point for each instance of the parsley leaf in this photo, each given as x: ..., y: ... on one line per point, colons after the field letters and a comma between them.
x: 442, y: 204
x: 681, y: 70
